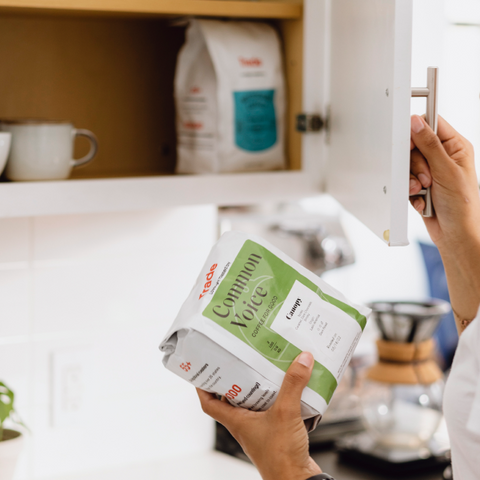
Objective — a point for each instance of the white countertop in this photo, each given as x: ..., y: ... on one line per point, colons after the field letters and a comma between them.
x: 201, y: 466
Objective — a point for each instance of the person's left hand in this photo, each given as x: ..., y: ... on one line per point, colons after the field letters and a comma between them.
x: 276, y: 440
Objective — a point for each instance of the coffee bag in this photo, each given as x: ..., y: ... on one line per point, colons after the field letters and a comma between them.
x: 250, y: 313
x: 230, y: 98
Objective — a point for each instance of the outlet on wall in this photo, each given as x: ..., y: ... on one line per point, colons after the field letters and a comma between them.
x: 70, y: 387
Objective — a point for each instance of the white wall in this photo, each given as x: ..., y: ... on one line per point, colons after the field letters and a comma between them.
x: 461, y: 80
x: 107, y: 286
x: 446, y: 33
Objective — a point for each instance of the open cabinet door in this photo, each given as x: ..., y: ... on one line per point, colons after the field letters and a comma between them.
x: 369, y: 140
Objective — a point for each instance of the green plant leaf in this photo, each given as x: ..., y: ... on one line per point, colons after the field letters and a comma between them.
x: 7, y: 408
x: 7, y: 398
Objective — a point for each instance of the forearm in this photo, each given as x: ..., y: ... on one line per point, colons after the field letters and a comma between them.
x: 462, y: 268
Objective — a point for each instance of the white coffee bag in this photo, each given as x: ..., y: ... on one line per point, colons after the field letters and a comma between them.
x: 230, y: 98
x: 250, y: 313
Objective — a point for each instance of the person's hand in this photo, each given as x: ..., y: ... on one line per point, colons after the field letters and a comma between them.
x: 446, y: 163
x: 276, y: 440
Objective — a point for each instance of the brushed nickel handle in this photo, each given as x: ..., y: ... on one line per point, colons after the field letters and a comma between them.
x: 431, y: 117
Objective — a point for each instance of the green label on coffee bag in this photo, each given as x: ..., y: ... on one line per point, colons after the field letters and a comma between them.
x: 259, y: 287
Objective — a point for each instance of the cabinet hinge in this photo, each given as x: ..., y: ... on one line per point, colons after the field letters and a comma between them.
x: 309, y: 123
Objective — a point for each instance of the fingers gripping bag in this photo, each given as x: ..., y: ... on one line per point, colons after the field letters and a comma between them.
x: 250, y: 313
x: 230, y: 98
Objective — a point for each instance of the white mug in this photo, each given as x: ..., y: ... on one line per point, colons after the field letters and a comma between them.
x: 43, y: 149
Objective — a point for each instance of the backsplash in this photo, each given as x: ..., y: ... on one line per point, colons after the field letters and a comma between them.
x: 93, y: 295
x: 99, y: 291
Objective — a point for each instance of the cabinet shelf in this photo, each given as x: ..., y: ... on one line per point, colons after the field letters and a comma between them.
x: 155, y: 8
x: 24, y: 199
x: 100, y: 66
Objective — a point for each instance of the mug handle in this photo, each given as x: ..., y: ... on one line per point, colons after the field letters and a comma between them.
x: 81, y: 132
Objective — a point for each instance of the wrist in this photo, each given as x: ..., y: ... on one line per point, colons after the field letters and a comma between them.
x: 321, y: 476
x: 290, y: 472
x: 458, y: 228
x: 460, y: 245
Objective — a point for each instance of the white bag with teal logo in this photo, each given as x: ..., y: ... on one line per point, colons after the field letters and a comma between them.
x: 250, y: 313
x: 230, y: 98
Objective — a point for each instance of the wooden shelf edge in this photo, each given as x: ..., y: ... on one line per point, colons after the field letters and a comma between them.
x: 217, y: 8
x: 28, y: 199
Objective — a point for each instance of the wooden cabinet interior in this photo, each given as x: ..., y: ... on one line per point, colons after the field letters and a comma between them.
x: 114, y: 75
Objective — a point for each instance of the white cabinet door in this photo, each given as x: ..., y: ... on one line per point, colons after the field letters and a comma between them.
x: 368, y: 59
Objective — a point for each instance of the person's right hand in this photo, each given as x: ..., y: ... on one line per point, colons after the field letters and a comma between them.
x: 275, y: 440
x: 446, y: 163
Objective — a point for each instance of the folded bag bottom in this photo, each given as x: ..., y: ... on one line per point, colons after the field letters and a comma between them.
x: 206, y: 365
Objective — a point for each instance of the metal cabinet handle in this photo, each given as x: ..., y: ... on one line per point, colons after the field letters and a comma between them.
x: 431, y: 117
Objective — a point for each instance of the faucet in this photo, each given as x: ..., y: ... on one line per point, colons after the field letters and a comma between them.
x: 322, y: 251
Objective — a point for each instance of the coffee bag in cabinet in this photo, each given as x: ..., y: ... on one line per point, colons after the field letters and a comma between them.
x: 230, y: 98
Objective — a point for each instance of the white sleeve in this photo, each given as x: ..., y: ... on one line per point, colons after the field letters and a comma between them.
x: 473, y: 422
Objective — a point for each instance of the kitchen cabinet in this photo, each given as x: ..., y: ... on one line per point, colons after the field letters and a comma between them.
x: 108, y: 65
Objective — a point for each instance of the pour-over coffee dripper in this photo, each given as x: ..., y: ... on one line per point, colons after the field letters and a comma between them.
x: 409, y: 321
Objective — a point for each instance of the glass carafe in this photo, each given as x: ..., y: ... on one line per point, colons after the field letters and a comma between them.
x: 402, y: 393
